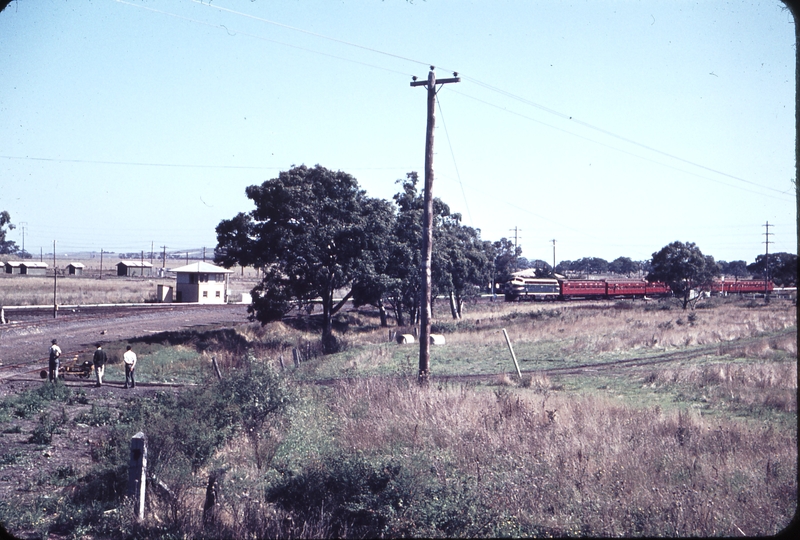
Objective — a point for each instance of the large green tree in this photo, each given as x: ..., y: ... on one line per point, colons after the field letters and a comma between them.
x: 684, y: 267
x: 506, y: 259
x: 623, y: 266
x: 6, y: 246
x: 460, y: 266
x: 590, y: 265
x: 782, y: 268
x: 396, y: 280
x: 314, y: 232
x: 462, y: 263
x: 733, y: 268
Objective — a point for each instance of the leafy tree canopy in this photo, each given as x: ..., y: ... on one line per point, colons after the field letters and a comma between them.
x: 782, y: 268
x: 590, y: 265
x: 313, y: 231
x: 684, y: 267
x: 507, y: 259
x: 734, y: 268
x: 623, y: 266
x: 461, y: 262
x: 6, y: 246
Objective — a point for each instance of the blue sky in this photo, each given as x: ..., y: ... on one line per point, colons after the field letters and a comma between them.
x: 613, y: 127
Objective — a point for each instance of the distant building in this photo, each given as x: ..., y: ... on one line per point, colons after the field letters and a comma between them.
x: 13, y: 267
x: 201, y: 282
x: 75, y: 269
x: 134, y: 268
x: 33, y: 268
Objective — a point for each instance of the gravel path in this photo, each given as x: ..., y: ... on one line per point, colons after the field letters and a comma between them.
x: 28, y: 341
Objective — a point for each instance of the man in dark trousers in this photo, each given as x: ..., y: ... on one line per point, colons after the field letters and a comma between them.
x: 130, y: 366
x: 99, y: 359
x: 54, y: 361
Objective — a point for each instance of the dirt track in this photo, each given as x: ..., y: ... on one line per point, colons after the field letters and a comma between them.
x: 27, y: 342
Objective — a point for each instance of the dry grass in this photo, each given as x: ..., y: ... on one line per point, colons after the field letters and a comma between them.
x: 609, y: 328
x: 582, y: 465
x: 88, y: 289
x: 34, y: 290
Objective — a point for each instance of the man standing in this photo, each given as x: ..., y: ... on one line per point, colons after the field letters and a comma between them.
x: 54, y: 361
x: 130, y: 364
x: 99, y: 360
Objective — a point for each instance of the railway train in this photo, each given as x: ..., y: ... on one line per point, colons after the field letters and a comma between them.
x: 540, y: 289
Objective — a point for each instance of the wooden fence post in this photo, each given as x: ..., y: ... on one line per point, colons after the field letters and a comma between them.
x: 513, y: 356
x: 296, y: 356
x: 280, y: 359
x: 137, y: 470
x: 216, y: 367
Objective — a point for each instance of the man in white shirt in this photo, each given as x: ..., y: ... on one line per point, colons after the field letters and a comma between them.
x: 129, y: 358
x: 54, y: 361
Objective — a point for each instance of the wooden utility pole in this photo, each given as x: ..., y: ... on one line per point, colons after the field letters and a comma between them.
x: 22, y: 225
x: 554, y: 255
x: 427, y: 224
x: 101, y: 263
x: 766, y: 263
x: 55, y: 283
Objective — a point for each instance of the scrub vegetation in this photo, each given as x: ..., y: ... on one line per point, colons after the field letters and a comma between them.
x: 630, y: 419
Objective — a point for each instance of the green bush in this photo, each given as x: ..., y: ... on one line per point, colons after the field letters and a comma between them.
x: 355, y: 497
x: 98, y: 416
x: 43, y: 432
x: 35, y: 401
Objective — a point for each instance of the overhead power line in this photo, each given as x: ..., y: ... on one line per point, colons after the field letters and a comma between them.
x: 621, y: 150
x: 471, y: 79
x: 611, y: 134
x: 453, y: 155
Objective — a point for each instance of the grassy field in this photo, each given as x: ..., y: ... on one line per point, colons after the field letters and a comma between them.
x: 82, y: 290
x: 636, y: 443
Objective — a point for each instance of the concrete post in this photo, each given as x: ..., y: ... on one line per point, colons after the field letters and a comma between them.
x: 137, y: 469
x: 511, y: 350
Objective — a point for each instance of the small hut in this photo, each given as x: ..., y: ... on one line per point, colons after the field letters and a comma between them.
x: 134, y: 268
x: 31, y: 268
x: 13, y: 267
x: 75, y: 269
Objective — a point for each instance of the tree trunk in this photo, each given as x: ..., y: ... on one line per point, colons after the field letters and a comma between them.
x: 398, y: 313
x: 453, y: 308
x: 382, y: 310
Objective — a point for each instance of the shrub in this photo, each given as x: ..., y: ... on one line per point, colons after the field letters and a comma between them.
x: 43, y: 432
x: 356, y: 498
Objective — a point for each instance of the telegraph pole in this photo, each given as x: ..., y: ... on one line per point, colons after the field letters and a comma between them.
x: 55, y: 283
x: 516, y: 239
x: 101, y: 263
x: 427, y: 224
x: 554, y: 255
x: 22, y: 225
x: 766, y: 263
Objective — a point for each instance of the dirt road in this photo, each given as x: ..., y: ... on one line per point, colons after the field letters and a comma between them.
x: 28, y: 341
